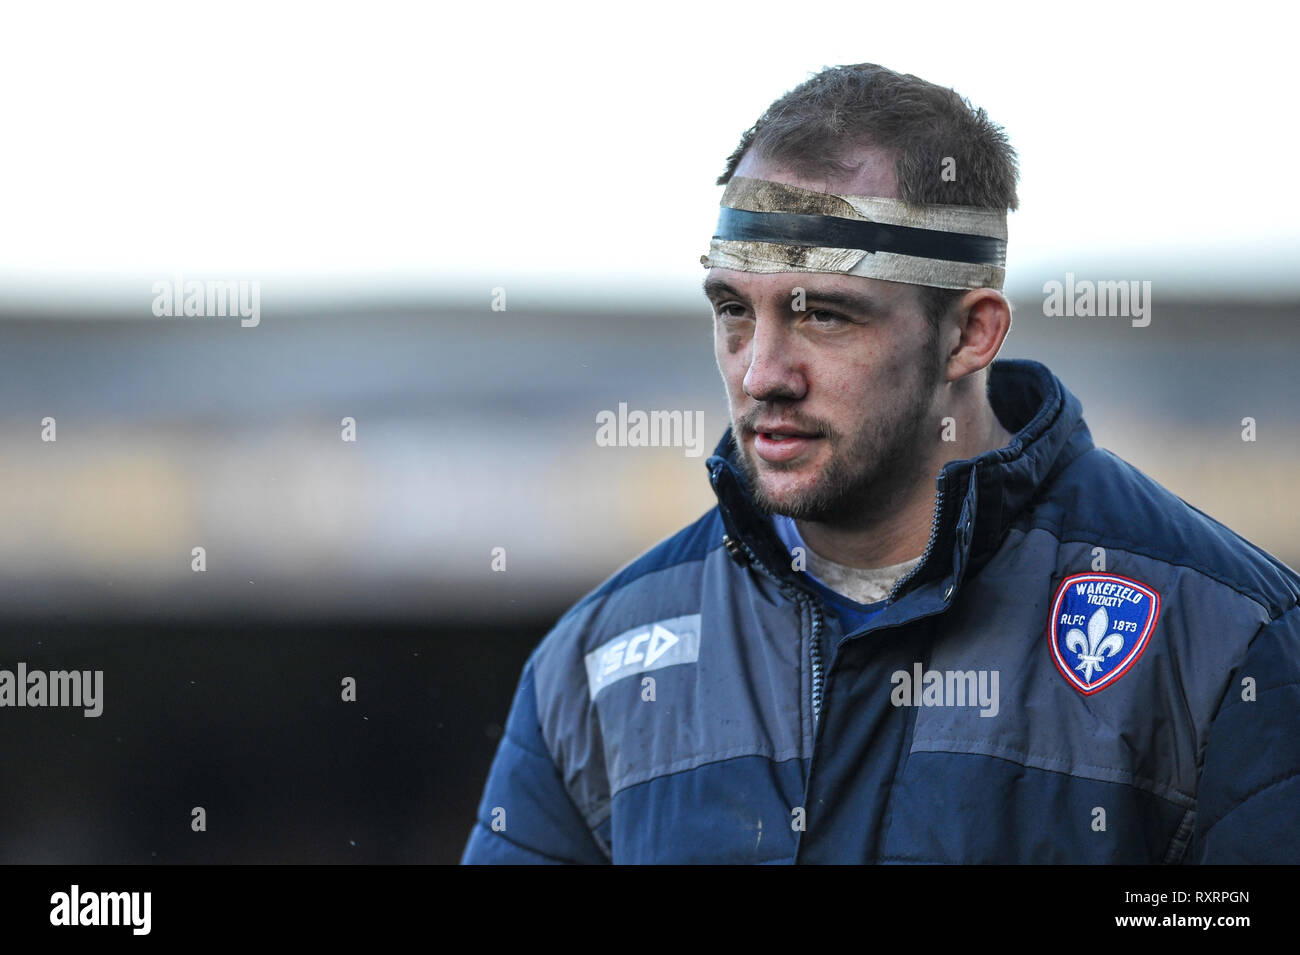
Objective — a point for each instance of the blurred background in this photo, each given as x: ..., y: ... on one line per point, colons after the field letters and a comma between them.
x: 472, y: 232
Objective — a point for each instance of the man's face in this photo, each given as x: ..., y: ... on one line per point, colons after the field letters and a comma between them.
x: 832, y: 407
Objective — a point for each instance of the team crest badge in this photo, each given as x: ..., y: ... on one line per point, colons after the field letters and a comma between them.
x: 1100, y: 625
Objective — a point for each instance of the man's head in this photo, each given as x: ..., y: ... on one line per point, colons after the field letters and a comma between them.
x: 860, y: 371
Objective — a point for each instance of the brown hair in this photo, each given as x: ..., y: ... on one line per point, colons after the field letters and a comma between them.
x: 817, y: 126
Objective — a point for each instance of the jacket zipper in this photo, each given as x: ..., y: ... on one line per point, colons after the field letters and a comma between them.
x: 934, y: 535
x: 817, y: 624
x: 815, y: 610
x: 815, y: 605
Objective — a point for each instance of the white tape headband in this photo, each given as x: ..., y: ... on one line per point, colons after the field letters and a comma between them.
x: 768, y: 226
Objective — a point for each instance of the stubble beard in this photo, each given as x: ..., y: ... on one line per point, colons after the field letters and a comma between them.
x: 867, y: 470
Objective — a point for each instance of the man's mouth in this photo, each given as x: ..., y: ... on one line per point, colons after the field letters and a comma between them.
x: 778, y: 443
x: 783, y: 435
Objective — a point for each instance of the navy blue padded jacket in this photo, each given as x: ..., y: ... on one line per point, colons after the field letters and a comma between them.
x: 1082, y: 669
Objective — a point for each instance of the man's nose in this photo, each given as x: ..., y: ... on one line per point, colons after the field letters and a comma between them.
x: 773, y: 370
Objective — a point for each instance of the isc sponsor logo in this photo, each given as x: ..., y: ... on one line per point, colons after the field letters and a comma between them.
x: 651, y: 646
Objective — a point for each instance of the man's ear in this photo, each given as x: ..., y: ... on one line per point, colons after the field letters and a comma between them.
x: 983, y: 318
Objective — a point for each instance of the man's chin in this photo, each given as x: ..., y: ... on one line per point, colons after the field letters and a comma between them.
x: 801, y: 493
x: 779, y: 478
x: 776, y: 493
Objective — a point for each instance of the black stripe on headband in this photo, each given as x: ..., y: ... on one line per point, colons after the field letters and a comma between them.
x: 831, y: 232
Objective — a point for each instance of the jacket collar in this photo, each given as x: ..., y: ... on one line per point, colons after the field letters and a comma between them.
x: 979, y: 497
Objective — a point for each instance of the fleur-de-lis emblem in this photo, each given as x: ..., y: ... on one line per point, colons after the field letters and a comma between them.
x: 1097, y: 649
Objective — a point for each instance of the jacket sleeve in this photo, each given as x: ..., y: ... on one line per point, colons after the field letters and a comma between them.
x: 1249, y: 792
x: 526, y: 816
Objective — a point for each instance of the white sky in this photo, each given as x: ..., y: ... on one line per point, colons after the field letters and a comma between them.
x: 571, y: 148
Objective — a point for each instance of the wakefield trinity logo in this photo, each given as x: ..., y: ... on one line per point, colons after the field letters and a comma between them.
x: 1100, y: 625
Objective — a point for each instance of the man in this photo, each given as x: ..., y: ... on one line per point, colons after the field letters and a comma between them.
x: 1039, y: 656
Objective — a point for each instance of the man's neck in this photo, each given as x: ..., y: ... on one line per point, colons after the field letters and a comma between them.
x: 897, y: 526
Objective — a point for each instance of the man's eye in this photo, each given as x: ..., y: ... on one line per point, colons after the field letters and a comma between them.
x: 822, y: 317
x: 726, y: 311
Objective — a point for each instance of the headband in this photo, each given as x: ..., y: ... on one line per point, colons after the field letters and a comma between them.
x: 768, y: 226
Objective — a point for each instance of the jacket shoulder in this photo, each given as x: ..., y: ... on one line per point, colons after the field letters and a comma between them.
x: 664, y: 585
x: 661, y: 584
x: 1102, y: 498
